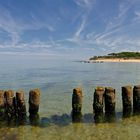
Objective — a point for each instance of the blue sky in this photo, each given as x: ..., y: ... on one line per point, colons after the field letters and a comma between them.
x: 75, y: 28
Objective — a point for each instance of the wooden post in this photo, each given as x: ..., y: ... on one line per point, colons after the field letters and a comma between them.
x: 76, y: 117
x: 2, y: 107
x: 34, y: 100
x: 109, y: 104
x: 34, y: 119
x: 126, y: 100
x: 136, y: 99
x: 98, y: 100
x: 21, y: 105
x: 10, y: 103
x: 109, y: 100
x: 99, y: 117
x: 77, y: 100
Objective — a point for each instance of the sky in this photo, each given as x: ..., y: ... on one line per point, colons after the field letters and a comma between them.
x: 69, y: 28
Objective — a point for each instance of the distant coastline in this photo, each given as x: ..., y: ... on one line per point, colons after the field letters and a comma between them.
x: 116, y: 57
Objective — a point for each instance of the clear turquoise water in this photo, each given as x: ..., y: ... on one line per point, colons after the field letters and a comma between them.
x: 56, y: 78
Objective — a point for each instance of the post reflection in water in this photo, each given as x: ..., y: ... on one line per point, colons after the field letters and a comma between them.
x: 76, y: 117
x: 127, y: 113
x: 99, y: 118
x: 34, y: 119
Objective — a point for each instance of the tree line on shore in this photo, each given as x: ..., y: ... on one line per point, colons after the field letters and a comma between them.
x: 121, y: 55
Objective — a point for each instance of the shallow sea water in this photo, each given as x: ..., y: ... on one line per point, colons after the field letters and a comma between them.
x: 56, y: 79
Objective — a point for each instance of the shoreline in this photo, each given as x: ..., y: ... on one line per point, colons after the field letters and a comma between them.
x: 113, y: 60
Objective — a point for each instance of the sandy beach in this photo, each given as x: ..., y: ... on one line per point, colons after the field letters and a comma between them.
x: 114, y: 60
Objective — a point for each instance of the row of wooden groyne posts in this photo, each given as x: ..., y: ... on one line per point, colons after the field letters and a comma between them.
x: 104, y: 103
x: 13, y: 104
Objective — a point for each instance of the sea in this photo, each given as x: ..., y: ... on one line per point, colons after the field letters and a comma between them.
x: 56, y: 78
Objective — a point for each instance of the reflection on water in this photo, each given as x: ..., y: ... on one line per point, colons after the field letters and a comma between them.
x: 66, y: 127
x: 65, y: 119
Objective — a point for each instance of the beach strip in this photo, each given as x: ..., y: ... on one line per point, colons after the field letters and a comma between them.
x: 114, y: 60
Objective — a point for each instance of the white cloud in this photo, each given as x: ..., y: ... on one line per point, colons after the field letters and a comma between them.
x: 137, y: 13
x: 15, y: 27
x: 118, y: 20
x: 137, y: 16
x: 81, y: 27
x: 87, y: 4
x: 8, y: 24
x: 117, y: 35
x: 38, y: 24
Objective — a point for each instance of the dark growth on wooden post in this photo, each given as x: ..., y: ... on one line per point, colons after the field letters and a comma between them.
x: 2, y: 107
x: 21, y: 105
x: 9, y: 103
x: 136, y: 99
x: 110, y: 104
x: 76, y: 117
x: 98, y: 100
x: 99, y: 117
x: 77, y: 100
x: 34, y: 119
x: 109, y: 100
x: 126, y: 100
x: 34, y: 100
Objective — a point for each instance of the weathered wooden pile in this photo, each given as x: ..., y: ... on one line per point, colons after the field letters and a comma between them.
x: 104, y: 102
x: 13, y: 104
